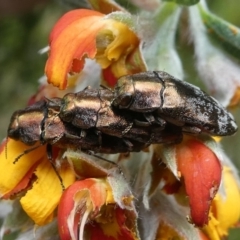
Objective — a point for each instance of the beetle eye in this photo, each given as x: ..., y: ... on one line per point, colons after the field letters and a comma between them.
x: 124, y: 100
x: 67, y: 116
x: 13, y: 133
x: 13, y: 129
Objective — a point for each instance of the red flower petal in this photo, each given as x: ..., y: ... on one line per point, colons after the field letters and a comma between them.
x: 118, y: 221
x: 67, y: 208
x: 201, y: 171
x: 109, y: 76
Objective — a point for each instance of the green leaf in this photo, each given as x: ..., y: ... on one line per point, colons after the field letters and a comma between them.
x: 123, y: 17
x: 184, y: 2
x: 105, y: 6
x: 224, y: 31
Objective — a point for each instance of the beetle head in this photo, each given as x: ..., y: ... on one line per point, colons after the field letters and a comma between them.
x: 13, y: 128
x: 187, y: 104
x: 26, y: 126
x: 124, y: 92
x: 139, y: 92
x: 67, y: 110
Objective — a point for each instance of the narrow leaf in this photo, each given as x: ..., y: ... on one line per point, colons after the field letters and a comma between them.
x: 224, y: 31
x: 184, y: 2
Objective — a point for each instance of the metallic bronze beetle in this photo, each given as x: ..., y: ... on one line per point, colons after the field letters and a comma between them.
x: 161, y: 96
x: 38, y: 123
x: 93, y: 108
x: 41, y: 123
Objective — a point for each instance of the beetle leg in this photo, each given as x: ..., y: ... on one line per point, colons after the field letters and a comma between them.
x: 149, y: 120
x: 128, y: 143
x: 142, y: 123
x: 149, y: 117
x: 171, y: 120
x: 71, y: 136
x: 127, y: 129
x: 191, y: 130
x: 83, y: 134
x: 57, y: 138
x: 99, y: 134
x: 50, y: 158
x: 160, y: 121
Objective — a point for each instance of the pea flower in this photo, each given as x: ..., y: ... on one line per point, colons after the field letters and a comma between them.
x: 200, y: 169
x: 82, y: 34
x: 193, y: 169
x: 99, y: 209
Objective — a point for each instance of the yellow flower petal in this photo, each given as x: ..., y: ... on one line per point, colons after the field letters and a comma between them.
x: 211, y: 228
x: 225, y: 209
x: 228, y: 210
x: 167, y: 232
x: 121, y: 41
x: 40, y: 202
x: 12, y: 174
x: 236, y: 98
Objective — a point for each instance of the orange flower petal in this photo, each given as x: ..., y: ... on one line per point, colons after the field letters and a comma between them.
x: 201, y: 171
x: 235, y: 98
x: 69, y: 18
x: 73, y: 37
x: 86, y: 33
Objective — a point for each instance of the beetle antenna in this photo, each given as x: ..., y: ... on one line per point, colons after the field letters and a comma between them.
x: 26, y: 152
x: 49, y: 99
x: 6, y: 148
x: 105, y: 87
x: 54, y: 103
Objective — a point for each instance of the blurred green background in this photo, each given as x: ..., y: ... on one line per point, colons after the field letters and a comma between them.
x: 24, y: 29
